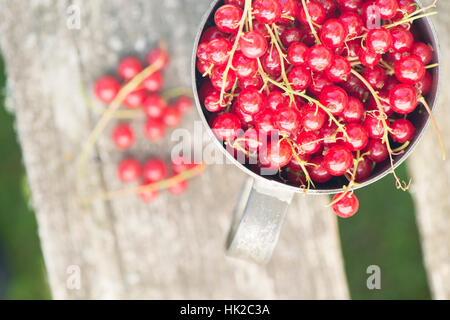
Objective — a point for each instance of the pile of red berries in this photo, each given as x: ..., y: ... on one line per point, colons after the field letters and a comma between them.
x: 333, y: 80
x: 159, y: 114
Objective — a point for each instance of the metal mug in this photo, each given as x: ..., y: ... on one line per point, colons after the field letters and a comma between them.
x: 261, y: 209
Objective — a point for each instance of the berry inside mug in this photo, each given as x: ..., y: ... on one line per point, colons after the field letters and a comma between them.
x: 312, y: 96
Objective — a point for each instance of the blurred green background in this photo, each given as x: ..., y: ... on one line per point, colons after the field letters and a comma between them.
x: 383, y: 233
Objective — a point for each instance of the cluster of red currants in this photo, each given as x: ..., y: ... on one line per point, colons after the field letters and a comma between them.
x: 334, y: 79
x: 159, y: 115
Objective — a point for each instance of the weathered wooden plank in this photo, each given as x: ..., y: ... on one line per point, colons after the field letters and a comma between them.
x: 431, y: 182
x: 173, y: 248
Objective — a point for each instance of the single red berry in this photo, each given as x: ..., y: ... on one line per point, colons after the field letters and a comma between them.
x: 252, y: 139
x: 403, y: 98
x: 406, y: 7
x: 227, y: 18
x: 289, y: 8
x: 402, y: 39
x: 255, y: 82
x: 253, y: 44
x: 154, y: 105
x: 352, y: 48
x: 388, y: 8
x: 244, y: 118
x: 276, y: 99
x: 294, y: 165
x: 379, y: 40
x: 153, y: 82
x: 316, y: 12
x: 237, y: 3
x: 374, y: 126
x: 179, y: 187
x: 267, y: 11
x: 172, y: 116
x: 317, y: 170
x: 410, y: 69
x: 212, y: 102
x: 287, y: 120
x: 183, y: 103
x: 377, y: 150
x: 299, y: 78
x: 129, y: 67
x: 244, y: 67
x: 203, y: 66
x: 217, y: 78
x: 106, y: 88
x: 338, y: 160
x: 129, y: 170
x: 226, y: 126
x: 347, y: 206
x: 135, y: 99
x: 383, y: 100
x: 308, y: 142
x: 368, y: 58
x: 319, y: 57
x: 335, y: 99
x: 319, y: 80
x: 333, y: 33
x: 363, y: 170
x: 251, y: 101
x: 123, y: 136
x: 290, y: 36
x: 312, y: 117
x: 154, y: 129
x: 212, y: 33
x: 423, y: 51
x: 330, y: 7
x: 160, y: 56
x: 277, y: 154
x: 376, y: 76
x: 264, y: 121
x: 146, y: 194
x: 297, y: 53
x: 218, y: 50
x: 154, y: 170
x: 424, y: 86
x: 357, y: 136
x: 271, y: 63
x: 402, y: 130
x: 339, y: 69
x: 352, y: 23
x: 354, y: 111
x: 349, y: 5
x: 180, y: 164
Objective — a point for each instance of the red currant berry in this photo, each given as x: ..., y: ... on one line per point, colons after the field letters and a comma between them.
x: 406, y: 7
x: 388, y: 8
x: 160, y: 56
x: 206, y: 89
x: 129, y: 170
x: 203, y: 66
x: 217, y: 78
x: 154, y: 129
x: 299, y: 78
x: 317, y: 170
x: 135, y: 99
x: 330, y: 7
x: 319, y: 57
x: 251, y: 101
x: 227, y: 18
x: 172, y: 117
x: 154, y: 106
x: 212, y: 102
x: 357, y: 136
x: 347, y: 206
x: 294, y: 165
x: 363, y: 170
x: 276, y: 100
x: 410, y: 69
x: 287, y: 120
x: 183, y: 103
x: 402, y: 39
x: 289, y: 8
x: 391, y: 82
x: 153, y: 82
x: 354, y: 111
x: 308, y: 142
x: 423, y: 51
x: 384, y: 101
x: 154, y: 170
x: 319, y: 80
x: 352, y: 23
x: 180, y: 164
x: 212, y: 33
x: 290, y: 36
x: 271, y: 63
x: 379, y: 40
x: 402, y: 130
x: 267, y: 11
x: 226, y: 126
x: 255, y: 82
x: 253, y: 44
x: 403, y: 98
x: 338, y: 160
x: 237, y: 3
x: 424, y: 86
x: 377, y: 150
x: 146, y: 194
x: 376, y: 76
x: 297, y: 53
x: 217, y: 51
x: 351, y: 49
x: 332, y: 33
x: 277, y: 154
x: 123, y: 136
x: 368, y: 58
x: 106, y: 89
x: 179, y: 187
x: 339, y: 69
x: 129, y: 67
x: 374, y: 126
x: 244, y: 67
x: 313, y: 117
x: 349, y: 5
x: 335, y: 99
x: 316, y: 12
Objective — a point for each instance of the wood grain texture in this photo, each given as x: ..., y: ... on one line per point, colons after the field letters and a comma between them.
x: 174, y: 247
x: 431, y: 176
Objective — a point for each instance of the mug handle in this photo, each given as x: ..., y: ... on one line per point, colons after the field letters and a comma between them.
x: 257, y: 220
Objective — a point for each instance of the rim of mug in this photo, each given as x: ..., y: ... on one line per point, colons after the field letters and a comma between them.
x: 397, y: 162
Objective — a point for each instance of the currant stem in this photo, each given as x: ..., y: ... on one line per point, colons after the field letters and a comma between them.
x: 308, y: 18
x: 433, y: 120
x: 160, y: 185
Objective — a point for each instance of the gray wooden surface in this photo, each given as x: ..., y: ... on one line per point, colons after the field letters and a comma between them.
x: 431, y: 176
x: 173, y: 248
